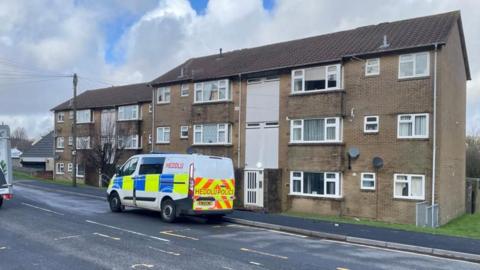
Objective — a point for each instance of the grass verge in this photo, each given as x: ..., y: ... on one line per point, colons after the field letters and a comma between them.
x: 27, y: 176
x: 465, y: 226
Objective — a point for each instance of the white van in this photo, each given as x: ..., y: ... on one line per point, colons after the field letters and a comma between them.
x: 175, y: 185
x: 5, y: 165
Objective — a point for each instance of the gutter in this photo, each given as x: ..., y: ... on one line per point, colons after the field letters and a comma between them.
x: 434, y: 147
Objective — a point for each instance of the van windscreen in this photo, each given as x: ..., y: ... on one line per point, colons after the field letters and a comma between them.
x: 152, y: 165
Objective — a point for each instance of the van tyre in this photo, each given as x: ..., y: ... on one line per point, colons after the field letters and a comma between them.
x: 115, y: 203
x: 169, y: 211
x: 1, y: 201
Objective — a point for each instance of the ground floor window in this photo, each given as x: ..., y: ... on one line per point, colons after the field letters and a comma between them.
x: 409, y: 186
x: 367, y: 181
x: 60, y: 168
x: 321, y: 184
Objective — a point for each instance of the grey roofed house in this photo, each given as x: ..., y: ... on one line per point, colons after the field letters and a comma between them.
x: 405, y: 35
x: 40, y: 155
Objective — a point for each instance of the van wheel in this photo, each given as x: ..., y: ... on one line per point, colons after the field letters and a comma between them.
x: 1, y: 201
x: 115, y: 203
x: 169, y: 212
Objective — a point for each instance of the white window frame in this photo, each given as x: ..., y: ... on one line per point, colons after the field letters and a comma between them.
x: 70, y: 140
x: 79, y: 144
x: 366, y: 122
x: 162, y: 92
x: 150, y: 108
x: 163, y: 131
x: 69, y: 167
x: 409, y: 181
x: 362, y: 179
x: 337, y: 180
x: 401, y: 59
x: 78, y: 174
x: 60, y: 142
x: 412, y: 120
x: 60, y: 117
x: 121, y: 114
x: 302, y: 77
x: 227, y: 128
x: 89, y: 116
x: 198, y: 87
x: 182, y: 129
x: 60, y: 168
x: 369, y: 64
x: 134, y: 138
x: 338, y: 130
x: 70, y: 115
x: 149, y: 138
x: 184, y: 87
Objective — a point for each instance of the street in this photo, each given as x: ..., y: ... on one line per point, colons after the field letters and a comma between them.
x: 43, y: 228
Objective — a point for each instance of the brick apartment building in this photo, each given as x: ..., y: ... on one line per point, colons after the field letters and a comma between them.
x: 118, y: 115
x: 393, y: 95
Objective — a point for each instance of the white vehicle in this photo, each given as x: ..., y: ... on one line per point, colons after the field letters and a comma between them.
x: 175, y: 185
x: 5, y: 165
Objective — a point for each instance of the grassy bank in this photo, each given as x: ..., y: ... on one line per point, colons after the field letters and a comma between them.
x: 464, y: 226
x: 27, y: 176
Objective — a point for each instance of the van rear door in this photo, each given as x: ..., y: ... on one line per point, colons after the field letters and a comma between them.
x: 214, y: 186
x: 5, y: 163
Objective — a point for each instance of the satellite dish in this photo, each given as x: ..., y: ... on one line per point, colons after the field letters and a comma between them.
x: 377, y: 162
x: 353, y: 153
x: 191, y: 150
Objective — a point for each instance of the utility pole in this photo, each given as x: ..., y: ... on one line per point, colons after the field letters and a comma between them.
x: 74, y: 131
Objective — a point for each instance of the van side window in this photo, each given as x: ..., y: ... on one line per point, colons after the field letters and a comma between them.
x: 129, y: 167
x: 152, y: 165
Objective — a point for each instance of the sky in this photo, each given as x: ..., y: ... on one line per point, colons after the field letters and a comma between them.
x: 109, y: 42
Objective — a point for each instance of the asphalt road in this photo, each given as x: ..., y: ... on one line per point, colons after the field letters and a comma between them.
x: 48, y: 229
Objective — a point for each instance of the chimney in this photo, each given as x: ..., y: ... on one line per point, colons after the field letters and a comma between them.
x: 181, y: 71
x: 220, y: 55
x: 385, y: 43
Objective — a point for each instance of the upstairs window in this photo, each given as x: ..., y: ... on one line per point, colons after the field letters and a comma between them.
x: 370, y: 124
x: 183, y: 132
x: 413, y: 65
x: 212, y: 91
x: 409, y: 186
x: 70, y: 115
x: 84, y: 116
x: 319, y: 184
x: 83, y: 142
x: 128, y: 113
x: 412, y: 126
x: 163, y: 95
x: 184, y: 88
x: 129, y: 142
x: 212, y: 134
x: 163, y: 135
x: 60, y: 142
x: 316, y: 79
x: 315, y: 130
x: 61, y: 117
x: 372, y: 67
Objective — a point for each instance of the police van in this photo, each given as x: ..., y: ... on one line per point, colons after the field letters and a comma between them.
x: 175, y: 185
x: 5, y: 165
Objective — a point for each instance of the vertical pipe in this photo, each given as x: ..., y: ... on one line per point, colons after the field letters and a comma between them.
x: 153, y: 117
x: 239, y: 119
x: 434, y: 150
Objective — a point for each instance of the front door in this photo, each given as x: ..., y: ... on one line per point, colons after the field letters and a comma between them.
x: 254, y: 188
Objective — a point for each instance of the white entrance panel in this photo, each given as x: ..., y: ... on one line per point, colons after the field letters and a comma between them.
x: 253, y: 188
x: 263, y: 100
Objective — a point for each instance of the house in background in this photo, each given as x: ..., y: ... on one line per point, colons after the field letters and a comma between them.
x: 39, y: 157
x: 15, y: 154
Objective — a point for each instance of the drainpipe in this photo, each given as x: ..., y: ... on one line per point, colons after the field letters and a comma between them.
x: 153, y: 117
x: 434, y: 150
x: 239, y: 119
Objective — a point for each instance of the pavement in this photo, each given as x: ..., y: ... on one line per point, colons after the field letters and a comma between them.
x: 59, y: 227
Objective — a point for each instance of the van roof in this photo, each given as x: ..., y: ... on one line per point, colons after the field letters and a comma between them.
x: 176, y: 155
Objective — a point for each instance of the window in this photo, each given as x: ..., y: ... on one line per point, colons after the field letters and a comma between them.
x: 151, y: 165
x: 128, y: 113
x: 413, y: 65
x: 83, y: 142
x: 60, y: 142
x: 70, y: 115
x: 163, y: 95
x: 184, y: 90
x: 316, y: 79
x: 69, y: 167
x: 128, y: 142
x: 163, y: 135
x: 321, y: 184
x: 212, y: 134
x: 409, y: 186
x: 367, y: 181
x: 315, y: 130
x: 84, y: 116
x: 212, y: 91
x: 60, y: 117
x: 183, y: 132
x: 128, y: 168
x: 150, y: 108
x: 370, y: 124
x: 412, y: 126
x: 70, y: 140
x: 149, y: 138
x: 80, y: 171
x: 372, y: 67
x: 60, y: 168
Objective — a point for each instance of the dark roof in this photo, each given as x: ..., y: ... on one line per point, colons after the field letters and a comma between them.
x: 111, y: 96
x: 43, y: 148
x: 422, y: 32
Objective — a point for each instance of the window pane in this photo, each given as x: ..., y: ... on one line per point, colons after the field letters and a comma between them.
x: 406, y: 69
x: 315, y: 78
x: 368, y: 183
x: 297, y: 134
x: 313, y: 183
x: 210, y: 91
x: 210, y: 134
x: 297, y: 186
x: 331, y: 188
x: 421, y: 64
x: 297, y: 85
x: 417, y: 186
x: 332, y: 76
x: 314, y: 130
x: 221, y: 136
x: 405, y: 129
x: 371, y: 126
x: 297, y: 174
x: 198, y: 137
x: 401, y: 189
x: 421, y: 125
x: 331, y: 133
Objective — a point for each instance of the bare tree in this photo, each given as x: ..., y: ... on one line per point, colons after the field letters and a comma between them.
x: 473, y: 156
x: 19, y: 139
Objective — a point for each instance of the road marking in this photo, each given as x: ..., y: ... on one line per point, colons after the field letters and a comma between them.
x: 43, y: 209
x: 106, y: 236
x: 142, y: 265
x: 128, y: 231
x: 226, y: 267
x: 290, y: 234
x: 264, y: 253
x: 61, y: 191
x: 341, y: 268
x: 256, y: 263
x: 66, y: 237
x: 178, y: 235
x: 2, y: 248
x: 165, y: 251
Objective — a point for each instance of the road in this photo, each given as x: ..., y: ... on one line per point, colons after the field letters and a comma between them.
x: 44, y: 228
